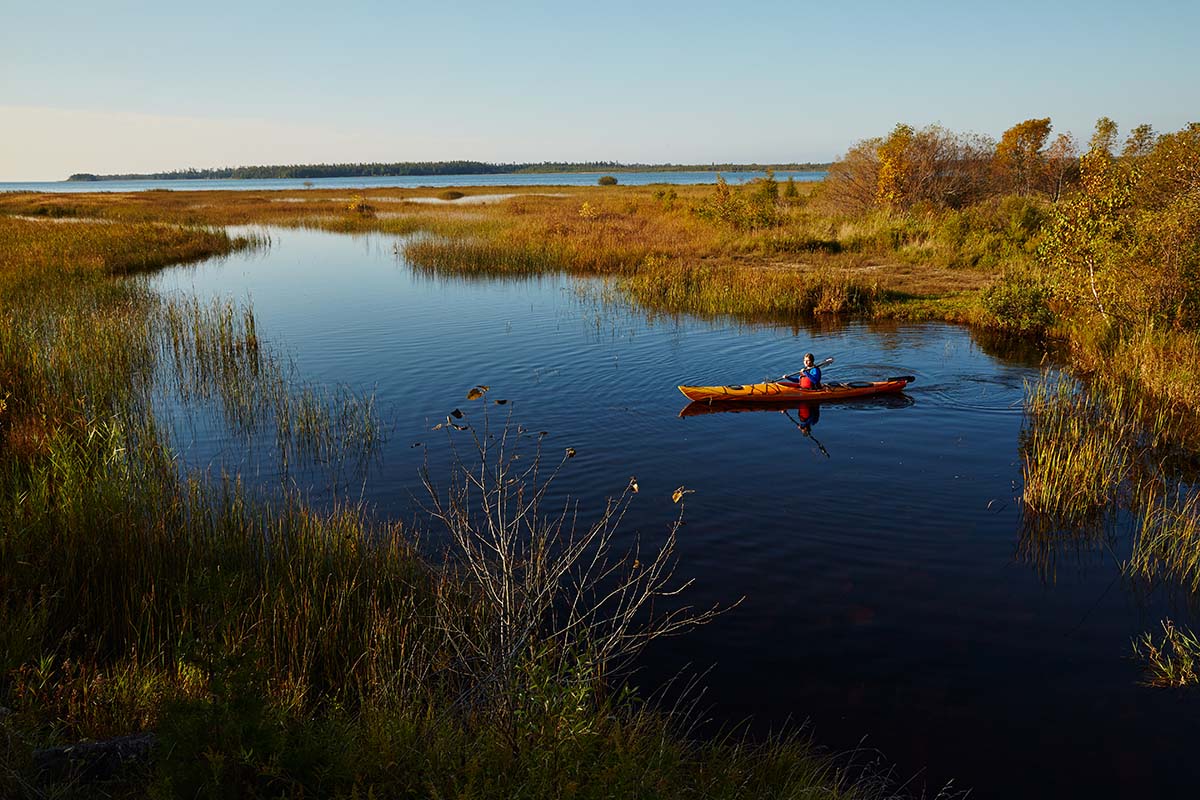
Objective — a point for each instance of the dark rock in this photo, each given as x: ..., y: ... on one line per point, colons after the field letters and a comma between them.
x: 94, y: 761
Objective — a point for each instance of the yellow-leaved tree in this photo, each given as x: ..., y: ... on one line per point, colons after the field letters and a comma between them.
x: 1019, y: 162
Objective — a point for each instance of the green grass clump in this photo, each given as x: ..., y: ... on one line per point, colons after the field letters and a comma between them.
x: 1173, y: 660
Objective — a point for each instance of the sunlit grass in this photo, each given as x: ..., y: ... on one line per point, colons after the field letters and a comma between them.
x: 1172, y: 661
x: 747, y: 293
x: 1168, y: 543
x: 1074, y: 454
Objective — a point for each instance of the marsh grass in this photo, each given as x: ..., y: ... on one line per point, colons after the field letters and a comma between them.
x: 480, y: 257
x: 215, y: 355
x: 624, y: 227
x: 711, y: 291
x: 1168, y: 543
x: 280, y: 649
x: 1163, y: 363
x: 1081, y: 443
x: 1075, y: 456
x: 1090, y: 452
x: 1172, y: 661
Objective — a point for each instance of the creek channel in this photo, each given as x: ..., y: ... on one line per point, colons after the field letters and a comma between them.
x: 890, y: 601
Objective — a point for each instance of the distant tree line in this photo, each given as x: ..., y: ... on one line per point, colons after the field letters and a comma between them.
x: 429, y: 168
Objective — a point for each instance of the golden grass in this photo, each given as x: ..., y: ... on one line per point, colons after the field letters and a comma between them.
x: 1163, y: 363
x: 882, y: 264
x: 1168, y: 545
x: 621, y: 228
x: 103, y: 247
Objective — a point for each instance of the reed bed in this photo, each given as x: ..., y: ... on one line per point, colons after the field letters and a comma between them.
x: 215, y: 355
x: 1162, y: 362
x: 751, y: 294
x: 105, y: 248
x: 1075, y: 455
x: 1168, y: 543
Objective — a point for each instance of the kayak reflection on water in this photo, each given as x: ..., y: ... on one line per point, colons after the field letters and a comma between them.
x: 803, y: 415
x: 807, y: 415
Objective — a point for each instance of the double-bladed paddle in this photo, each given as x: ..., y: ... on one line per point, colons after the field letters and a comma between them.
x: 822, y: 365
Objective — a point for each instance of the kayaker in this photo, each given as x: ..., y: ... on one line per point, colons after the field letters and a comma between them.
x: 810, y: 376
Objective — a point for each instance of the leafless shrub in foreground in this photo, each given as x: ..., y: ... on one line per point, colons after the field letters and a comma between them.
x: 540, y: 607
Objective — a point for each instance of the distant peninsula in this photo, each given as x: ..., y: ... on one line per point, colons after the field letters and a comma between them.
x: 420, y: 168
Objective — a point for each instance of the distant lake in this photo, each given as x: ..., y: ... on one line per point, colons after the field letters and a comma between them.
x: 404, y: 181
x: 891, y: 591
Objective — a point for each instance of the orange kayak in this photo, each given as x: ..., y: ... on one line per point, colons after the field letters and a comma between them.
x: 777, y: 391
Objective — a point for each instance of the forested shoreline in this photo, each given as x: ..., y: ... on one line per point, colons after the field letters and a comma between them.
x: 428, y: 168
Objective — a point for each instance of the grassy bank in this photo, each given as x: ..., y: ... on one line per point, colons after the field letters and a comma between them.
x: 909, y: 263
x: 277, y: 649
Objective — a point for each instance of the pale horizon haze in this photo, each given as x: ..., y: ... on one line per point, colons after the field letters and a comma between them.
x: 129, y: 88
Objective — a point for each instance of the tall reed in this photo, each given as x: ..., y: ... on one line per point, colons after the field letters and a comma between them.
x: 1075, y: 456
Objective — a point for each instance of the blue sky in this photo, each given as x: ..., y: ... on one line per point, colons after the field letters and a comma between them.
x: 121, y: 86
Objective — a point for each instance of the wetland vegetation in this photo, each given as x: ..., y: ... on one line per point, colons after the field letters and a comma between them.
x: 280, y: 649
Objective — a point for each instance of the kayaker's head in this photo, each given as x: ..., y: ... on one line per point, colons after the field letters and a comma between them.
x: 808, y: 359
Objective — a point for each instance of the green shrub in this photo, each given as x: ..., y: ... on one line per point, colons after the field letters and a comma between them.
x: 1018, y: 303
x: 742, y: 213
x: 607, y: 180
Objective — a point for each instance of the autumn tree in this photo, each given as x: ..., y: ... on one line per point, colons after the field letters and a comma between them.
x: 1104, y: 138
x: 1126, y: 243
x: 1061, y: 165
x: 853, y: 180
x: 910, y: 167
x: 896, y: 155
x: 1082, y: 244
x: 1165, y: 249
x: 1140, y: 142
x: 1019, y: 162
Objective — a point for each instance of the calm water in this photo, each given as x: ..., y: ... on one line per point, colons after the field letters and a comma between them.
x: 887, y: 600
x: 541, y: 179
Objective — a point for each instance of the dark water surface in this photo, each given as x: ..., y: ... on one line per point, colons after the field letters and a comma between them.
x: 379, y: 182
x: 886, y: 595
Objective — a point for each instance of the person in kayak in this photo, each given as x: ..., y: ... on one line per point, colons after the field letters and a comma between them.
x: 810, y: 376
